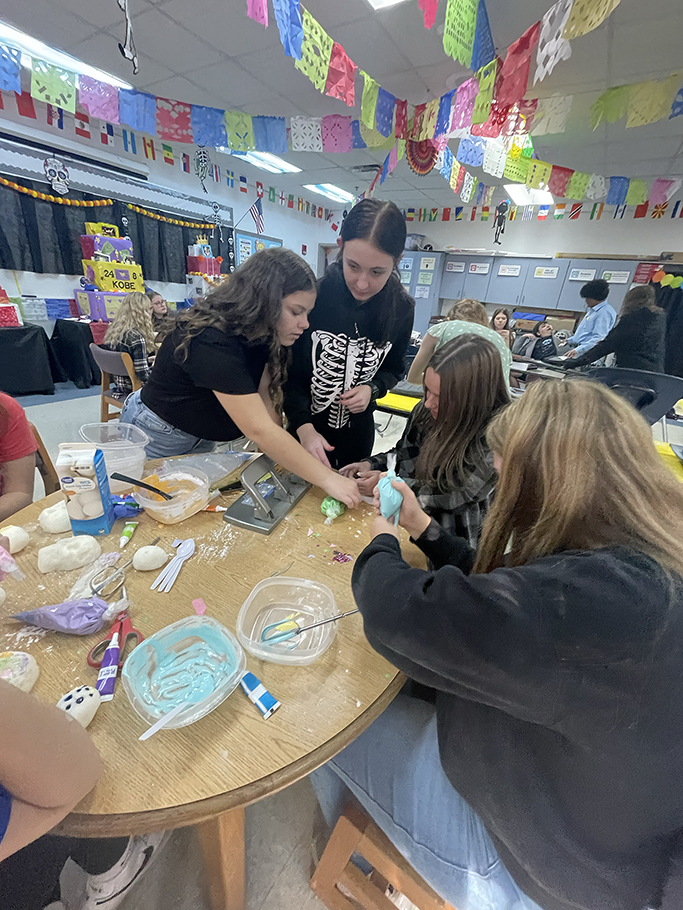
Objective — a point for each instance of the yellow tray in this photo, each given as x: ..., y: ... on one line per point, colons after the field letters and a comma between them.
x: 397, y: 404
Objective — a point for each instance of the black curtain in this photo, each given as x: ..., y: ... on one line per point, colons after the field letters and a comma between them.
x: 671, y: 300
x: 40, y: 236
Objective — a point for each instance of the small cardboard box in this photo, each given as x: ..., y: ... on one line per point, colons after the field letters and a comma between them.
x: 114, y: 249
x: 98, y: 305
x: 111, y: 276
x: 83, y: 477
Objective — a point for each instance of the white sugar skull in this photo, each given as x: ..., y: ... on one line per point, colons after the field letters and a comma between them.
x: 57, y: 174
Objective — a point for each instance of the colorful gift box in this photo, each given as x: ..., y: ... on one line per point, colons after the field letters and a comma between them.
x: 101, y: 227
x: 113, y: 276
x: 113, y: 249
x: 97, y: 305
x: 203, y: 266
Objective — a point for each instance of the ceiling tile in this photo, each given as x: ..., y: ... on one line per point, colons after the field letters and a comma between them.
x: 99, y: 13
x: 371, y: 48
x: 50, y: 24
x: 419, y: 45
x: 334, y: 14
x: 224, y: 26
x: 230, y: 85
x: 167, y: 42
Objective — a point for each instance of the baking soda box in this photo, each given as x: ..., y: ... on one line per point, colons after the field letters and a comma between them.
x: 83, y: 477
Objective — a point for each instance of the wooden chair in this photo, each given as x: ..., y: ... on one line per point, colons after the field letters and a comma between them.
x: 44, y: 464
x: 356, y: 833
x: 112, y: 363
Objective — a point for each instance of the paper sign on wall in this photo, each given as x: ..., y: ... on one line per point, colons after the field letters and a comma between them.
x: 617, y: 277
x: 425, y: 277
x: 421, y: 291
x: 455, y: 266
x: 542, y: 272
x: 511, y: 271
x: 479, y: 268
x: 405, y: 264
x: 582, y: 274
x: 405, y: 277
x: 644, y: 272
x: 428, y: 263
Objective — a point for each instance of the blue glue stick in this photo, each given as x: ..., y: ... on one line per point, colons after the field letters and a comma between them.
x: 258, y: 694
x: 390, y: 500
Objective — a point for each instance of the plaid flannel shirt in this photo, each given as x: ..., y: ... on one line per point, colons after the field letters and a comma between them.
x: 460, y: 510
x: 132, y: 343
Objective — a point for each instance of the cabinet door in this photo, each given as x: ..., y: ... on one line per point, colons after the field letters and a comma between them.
x: 507, y: 281
x: 543, y: 284
x: 477, y: 276
x: 579, y: 272
x: 619, y: 275
x: 424, y: 287
x: 453, y: 278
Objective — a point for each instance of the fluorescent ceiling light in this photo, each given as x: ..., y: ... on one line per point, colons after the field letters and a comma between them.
x: 330, y: 191
x: 522, y: 195
x: 384, y: 4
x: 264, y: 160
x: 31, y: 47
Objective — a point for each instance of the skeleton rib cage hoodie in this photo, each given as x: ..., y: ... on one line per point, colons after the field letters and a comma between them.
x: 347, y: 344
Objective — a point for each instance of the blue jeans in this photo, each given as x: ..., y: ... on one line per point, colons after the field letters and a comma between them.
x: 164, y: 439
x: 394, y: 771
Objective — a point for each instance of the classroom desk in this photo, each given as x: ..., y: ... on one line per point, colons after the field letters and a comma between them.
x: 206, y: 773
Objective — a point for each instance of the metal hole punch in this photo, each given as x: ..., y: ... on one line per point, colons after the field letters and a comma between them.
x: 268, y: 496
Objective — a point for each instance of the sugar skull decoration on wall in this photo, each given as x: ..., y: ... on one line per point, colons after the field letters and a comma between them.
x: 57, y: 174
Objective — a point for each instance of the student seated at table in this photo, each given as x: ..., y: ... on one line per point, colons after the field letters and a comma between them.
x: 554, y: 779
x: 219, y: 374
x: 48, y: 764
x: 467, y: 316
x: 500, y: 322
x: 638, y: 337
x: 539, y: 344
x: 17, y: 458
x: 131, y: 332
x: 443, y: 452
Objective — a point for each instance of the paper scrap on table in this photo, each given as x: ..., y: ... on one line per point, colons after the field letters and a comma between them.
x: 199, y: 606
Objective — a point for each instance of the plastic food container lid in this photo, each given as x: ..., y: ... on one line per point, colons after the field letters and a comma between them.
x: 275, y: 600
x: 110, y: 434
x: 195, y: 660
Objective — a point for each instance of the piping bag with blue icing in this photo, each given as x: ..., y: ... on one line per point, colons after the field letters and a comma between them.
x: 390, y: 500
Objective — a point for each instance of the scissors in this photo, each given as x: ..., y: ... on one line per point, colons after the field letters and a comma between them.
x: 124, y: 627
x: 116, y: 578
x: 272, y: 636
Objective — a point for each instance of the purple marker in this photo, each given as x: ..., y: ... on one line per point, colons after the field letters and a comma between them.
x: 106, y: 678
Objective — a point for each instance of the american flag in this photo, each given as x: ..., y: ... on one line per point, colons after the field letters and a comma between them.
x: 256, y: 212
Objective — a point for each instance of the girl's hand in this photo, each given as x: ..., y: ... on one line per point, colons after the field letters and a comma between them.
x: 315, y: 444
x: 382, y: 526
x: 411, y: 517
x: 344, y: 489
x: 367, y: 482
x: 354, y: 469
x: 357, y: 399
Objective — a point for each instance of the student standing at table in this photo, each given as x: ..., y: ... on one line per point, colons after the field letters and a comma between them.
x: 598, y: 320
x: 554, y: 779
x: 354, y: 351
x: 219, y: 374
x: 18, y: 449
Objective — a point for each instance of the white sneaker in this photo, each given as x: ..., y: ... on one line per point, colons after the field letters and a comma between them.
x: 107, y: 891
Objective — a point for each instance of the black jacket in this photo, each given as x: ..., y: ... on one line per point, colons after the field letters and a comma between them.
x: 347, y: 344
x: 636, y: 340
x: 559, y: 707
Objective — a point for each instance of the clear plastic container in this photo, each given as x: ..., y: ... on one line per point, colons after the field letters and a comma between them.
x: 123, y: 447
x: 275, y: 600
x: 196, y: 660
x: 190, y: 490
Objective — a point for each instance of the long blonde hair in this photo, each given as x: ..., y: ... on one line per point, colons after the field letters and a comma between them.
x: 135, y: 313
x: 579, y: 472
x: 469, y: 310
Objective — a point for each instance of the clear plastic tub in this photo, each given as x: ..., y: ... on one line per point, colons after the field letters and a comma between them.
x: 275, y: 600
x: 196, y: 660
x: 190, y: 490
x: 123, y: 447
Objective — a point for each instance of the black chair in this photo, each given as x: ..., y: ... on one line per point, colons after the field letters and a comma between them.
x: 653, y: 394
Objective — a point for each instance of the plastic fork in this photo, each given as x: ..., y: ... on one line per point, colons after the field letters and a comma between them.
x: 166, y: 578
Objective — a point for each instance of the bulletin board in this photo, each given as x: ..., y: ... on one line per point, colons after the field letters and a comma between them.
x: 246, y: 244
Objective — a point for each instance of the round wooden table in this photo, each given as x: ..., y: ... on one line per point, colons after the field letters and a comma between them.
x: 206, y: 773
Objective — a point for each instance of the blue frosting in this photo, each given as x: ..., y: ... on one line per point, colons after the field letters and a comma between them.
x: 390, y: 500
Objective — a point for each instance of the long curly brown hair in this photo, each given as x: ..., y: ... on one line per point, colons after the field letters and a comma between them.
x: 249, y: 304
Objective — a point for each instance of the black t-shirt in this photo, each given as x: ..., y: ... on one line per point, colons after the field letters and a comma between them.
x: 181, y: 393
x: 544, y: 347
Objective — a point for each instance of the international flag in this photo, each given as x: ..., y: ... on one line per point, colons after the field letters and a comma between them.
x: 168, y: 153
x: 576, y: 210
x: 271, y: 194
x: 433, y: 214
x: 422, y: 215
x: 300, y: 203
x: 314, y: 210
x: 149, y: 148
x: 446, y: 215
x: 55, y: 117
x: 528, y: 213
x: 619, y: 211
x: 641, y: 210
x: 259, y: 190
x: 596, y: 211
x: 677, y: 211
x: 513, y: 213
x: 256, y: 212
x: 474, y: 213
x: 216, y: 173
x: 106, y: 133
x: 320, y: 211
x: 410, y: 215
x: 543, y: 213
x: 129, y: 144
x: 243, y: 184
x: 186, y: 162
x: 25, y: 106
x: 230, y: 178
x: 82, y: 124
x: 560, y: 210
x: 485, y: 209
x: 290, y: 201
x: 308, y: 208
x: 659, y: 210
x: 458, y: 213
x: 282, y: 198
